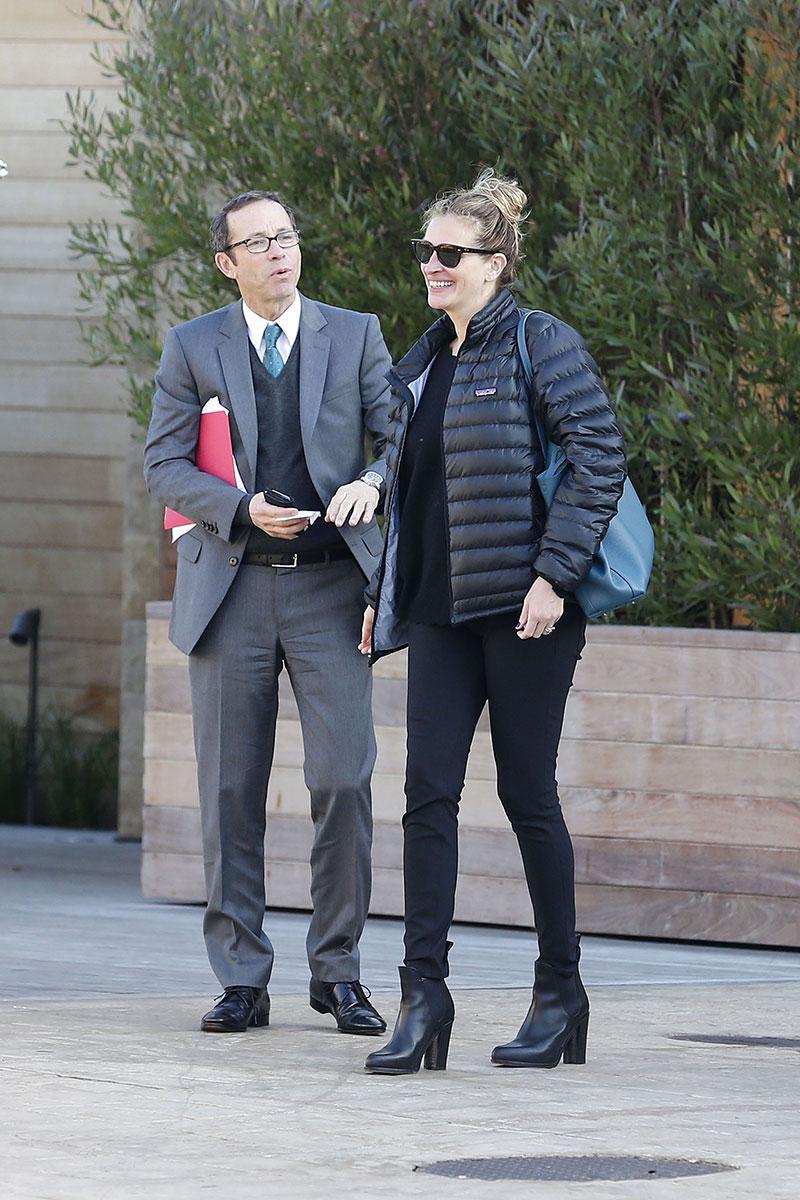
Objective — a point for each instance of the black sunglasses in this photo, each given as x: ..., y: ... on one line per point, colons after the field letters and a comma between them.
x: 448, y: 256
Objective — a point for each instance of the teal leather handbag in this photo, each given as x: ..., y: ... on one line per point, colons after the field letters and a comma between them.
x: 623, y: 562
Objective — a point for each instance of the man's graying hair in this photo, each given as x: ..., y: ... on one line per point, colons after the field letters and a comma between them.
x: 219, y: 226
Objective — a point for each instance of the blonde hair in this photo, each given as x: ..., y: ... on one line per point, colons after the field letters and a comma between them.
x: 496, y: 206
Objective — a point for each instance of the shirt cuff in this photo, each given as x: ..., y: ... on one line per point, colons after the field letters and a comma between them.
x: 243, y: 511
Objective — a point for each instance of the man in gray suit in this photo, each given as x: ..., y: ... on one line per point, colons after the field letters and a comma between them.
x: 260, y: 586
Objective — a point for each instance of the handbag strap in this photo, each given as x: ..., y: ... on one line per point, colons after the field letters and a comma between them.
x: 527, y: 371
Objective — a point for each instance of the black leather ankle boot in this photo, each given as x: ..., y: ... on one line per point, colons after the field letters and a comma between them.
x: 422, y: 1030
x: 556, y: 1024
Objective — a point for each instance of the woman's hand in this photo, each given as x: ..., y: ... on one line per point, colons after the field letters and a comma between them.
x: 365, y: 645
x: 541, y: 609
x: 357, y: 500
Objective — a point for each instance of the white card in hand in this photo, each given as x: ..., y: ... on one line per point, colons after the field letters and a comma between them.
x: 304, y: 514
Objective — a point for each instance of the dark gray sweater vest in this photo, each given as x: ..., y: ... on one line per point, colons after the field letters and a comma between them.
x: 281, y: 462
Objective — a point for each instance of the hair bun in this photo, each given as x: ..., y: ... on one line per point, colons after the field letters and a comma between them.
x: 506, y: 194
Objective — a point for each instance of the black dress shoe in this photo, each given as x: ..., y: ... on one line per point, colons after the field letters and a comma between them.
x: 349, y: 1004
x: 237, y: 1009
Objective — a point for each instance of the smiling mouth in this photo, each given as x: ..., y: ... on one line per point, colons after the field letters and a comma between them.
x: 438, y: 284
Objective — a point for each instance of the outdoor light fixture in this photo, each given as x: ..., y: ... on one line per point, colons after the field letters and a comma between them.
x: 25, y: 632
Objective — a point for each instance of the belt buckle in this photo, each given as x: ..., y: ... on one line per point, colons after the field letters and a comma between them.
x: 288, y: 566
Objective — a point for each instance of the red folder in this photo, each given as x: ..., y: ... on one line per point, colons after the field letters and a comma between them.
x: 214, y: 453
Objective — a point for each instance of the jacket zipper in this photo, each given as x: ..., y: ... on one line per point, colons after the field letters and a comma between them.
x: 389, y: 506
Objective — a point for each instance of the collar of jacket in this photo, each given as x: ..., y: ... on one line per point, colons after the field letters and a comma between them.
x: 422, y: 352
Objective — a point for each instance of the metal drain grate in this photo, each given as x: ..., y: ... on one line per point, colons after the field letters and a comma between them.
x: 732, y: 1039
x: 572, y: 1168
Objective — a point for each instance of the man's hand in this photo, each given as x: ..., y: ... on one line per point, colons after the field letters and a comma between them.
x: 365, y: 645
x: 541, y: 610
x: 265, y: 516
x: 357, y: 500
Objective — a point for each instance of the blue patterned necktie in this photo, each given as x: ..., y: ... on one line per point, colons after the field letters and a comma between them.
x: 272, y: 359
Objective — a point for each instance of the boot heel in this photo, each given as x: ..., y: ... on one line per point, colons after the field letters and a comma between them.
x: 436, y: 1054
x: 575, y: 1048
x: 317, y: 1006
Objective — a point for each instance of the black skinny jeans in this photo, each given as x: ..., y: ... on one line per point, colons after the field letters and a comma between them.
x: 452, y: 672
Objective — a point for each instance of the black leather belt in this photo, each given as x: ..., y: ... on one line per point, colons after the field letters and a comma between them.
x: 255, y: 558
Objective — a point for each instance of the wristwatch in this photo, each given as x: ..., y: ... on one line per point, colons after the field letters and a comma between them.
x: 373, y: 478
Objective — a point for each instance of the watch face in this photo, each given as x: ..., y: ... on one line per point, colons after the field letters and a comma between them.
x: 372, y: 477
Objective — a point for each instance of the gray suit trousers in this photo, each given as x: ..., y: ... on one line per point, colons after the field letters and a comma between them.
x: 307, y: 619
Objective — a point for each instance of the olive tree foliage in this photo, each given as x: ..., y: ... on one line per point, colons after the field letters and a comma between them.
x: 348, y: 110
x: 669, y: 181
x: 657, y: 141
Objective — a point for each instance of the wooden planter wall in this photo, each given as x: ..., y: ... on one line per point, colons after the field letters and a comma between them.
x: 679, y: 775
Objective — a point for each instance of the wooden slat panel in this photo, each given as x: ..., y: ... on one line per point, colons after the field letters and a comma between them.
x: 63, y: 663
x: 71, y: 199
x: 97, y: 389
x: 158, y: 611
x: 33, y: 245
x: 81, y: 433
x: 687, y: 866
x: 667, y: 816
x: 590, y: 715
x: 167, y: 689
x: 657, y: 817
x: 98, y: 706
x: 41, y: 340
x: 62, y: 523
x: 38, y: 107
x: 160, y: 650
x: 689, y: 671
x: 625, y: 636
x: 74, y: 572
x: 67, y: 526
x: 52, y: 20
x: 68, y: 618
x: 39, y: 293
x: 622, y: 636
x: 60, y: 478
x: 713, y: 770
x: 37, y: 155
x: 770, y: 724
x: 705, y: 916
x: 65, y: 64
x: 173, y: 877
x: 581, y: 763
x: 700, y: 841
x: 636, y: 912
x: 677, y: 866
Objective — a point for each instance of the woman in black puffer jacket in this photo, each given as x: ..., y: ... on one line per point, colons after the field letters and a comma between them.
x: 477, y: 580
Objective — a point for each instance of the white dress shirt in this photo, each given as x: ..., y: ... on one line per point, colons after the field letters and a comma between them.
x: 289, y: 323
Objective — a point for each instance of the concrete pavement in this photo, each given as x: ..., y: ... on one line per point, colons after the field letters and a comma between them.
x: 110, y: 1091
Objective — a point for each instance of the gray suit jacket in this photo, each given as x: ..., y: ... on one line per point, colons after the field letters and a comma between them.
x: 343, y: 395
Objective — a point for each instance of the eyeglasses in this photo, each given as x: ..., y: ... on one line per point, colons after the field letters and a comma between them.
x: 261, y: 244
x: 448, y: 256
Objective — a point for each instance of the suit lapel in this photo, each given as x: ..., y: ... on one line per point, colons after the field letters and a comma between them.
x: 234, y: 353
x: 315, y: 346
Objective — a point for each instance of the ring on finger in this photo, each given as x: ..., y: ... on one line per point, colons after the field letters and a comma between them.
x: 550, y: 629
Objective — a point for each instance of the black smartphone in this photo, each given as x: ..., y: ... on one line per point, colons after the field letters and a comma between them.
x: 279, y: 499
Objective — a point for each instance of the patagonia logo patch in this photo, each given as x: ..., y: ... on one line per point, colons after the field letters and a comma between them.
x: 485, y: 391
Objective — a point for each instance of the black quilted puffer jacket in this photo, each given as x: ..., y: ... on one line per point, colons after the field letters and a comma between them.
x: 500, y: 533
